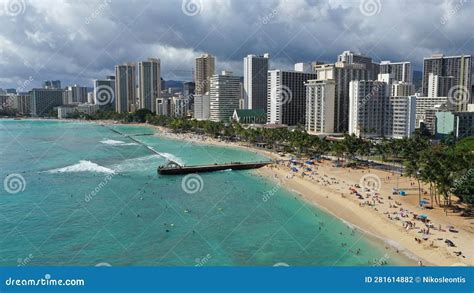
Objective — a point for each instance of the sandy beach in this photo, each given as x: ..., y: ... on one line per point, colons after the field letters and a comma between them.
x: 389, y: 220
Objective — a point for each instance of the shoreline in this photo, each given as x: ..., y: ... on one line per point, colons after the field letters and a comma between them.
x: 327, y: 188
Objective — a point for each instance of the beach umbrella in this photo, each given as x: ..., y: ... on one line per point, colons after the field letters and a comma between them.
x: 423, y: 216
x: 423, y: 202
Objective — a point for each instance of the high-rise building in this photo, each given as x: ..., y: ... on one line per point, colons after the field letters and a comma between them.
x: 104, y: 92
x: 75, y: 94
x: 342, y: 73
x: 149, y: 81
x: 439, y: 86
x: 349, y: 57
x: 401, y: 71
x: 205, y: 68
x: 286, y: 97
x: 125, y: 88
x: 400, y: 118
x: 224, y: 96
x: 22, y: 102
x: 202, y: 107
x: 320, y: 97
x: 188, y: 92
x: 459, y: 67
x: 52, y: 84
x: 373, y: 113
x: 44, y: 100
x: 367, y: 106
x: 255, y: 81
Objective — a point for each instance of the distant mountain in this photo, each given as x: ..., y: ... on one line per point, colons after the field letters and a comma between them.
x: 417, y: 79
x: 173, y: 84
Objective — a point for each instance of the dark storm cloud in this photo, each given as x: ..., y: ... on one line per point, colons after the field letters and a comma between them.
x: 77, y: 41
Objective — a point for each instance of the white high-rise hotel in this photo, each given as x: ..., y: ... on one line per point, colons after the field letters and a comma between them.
x: 374, y: 113
x: 320, y: 99
x: 224, y: 96
x: 255, y: 81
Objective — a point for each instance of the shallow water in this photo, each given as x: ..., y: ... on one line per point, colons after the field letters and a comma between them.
x: 93, y: 196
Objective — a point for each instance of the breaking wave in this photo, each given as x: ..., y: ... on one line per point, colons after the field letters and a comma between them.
x: 83, y: 166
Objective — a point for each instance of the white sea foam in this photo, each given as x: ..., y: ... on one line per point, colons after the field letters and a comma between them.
x: 116, y: 142
x: 172, y: 157
x: 83, y: 166
x: 140, y: 163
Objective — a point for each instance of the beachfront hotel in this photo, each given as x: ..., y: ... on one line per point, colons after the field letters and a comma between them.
x: 320, y: 98
x: 44, y: 100
x: 225, y: 92
x: 125, y: 88
x: 286, y: 97
x: 205, y: 68
x: 367, y: 103
x: 149, y: 82
x: 255, y: 81
x: 343, y: 73
x: 104, y: 92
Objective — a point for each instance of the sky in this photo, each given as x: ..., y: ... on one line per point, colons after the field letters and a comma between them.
x: 77, y: 41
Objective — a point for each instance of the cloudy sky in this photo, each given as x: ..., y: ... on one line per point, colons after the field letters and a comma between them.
x: 80, y: 40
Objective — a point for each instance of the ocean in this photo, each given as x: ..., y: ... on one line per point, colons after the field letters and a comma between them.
x: 81, y: 194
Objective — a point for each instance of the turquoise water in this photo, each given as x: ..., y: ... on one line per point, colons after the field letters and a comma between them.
x: 93, y: 196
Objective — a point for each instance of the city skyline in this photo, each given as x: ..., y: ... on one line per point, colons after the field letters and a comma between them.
x: 90, y: 38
